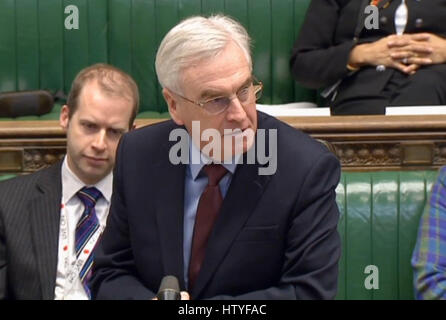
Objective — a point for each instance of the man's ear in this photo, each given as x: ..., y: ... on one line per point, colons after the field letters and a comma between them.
x: 64, y: 117
x: 173, y: 107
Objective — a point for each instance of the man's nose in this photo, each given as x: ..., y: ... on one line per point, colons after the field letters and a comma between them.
x: 99, y: 141
x: 236, y: 111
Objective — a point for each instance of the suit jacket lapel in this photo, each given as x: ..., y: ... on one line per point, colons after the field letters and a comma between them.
x: 361, y: 16
x: 44, y: 211
x: 237, y: 207
x: 170, y: 212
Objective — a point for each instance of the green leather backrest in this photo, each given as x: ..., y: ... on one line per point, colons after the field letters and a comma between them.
x: 380, y: 213
x: 6, y: 176
x: 36, y: 51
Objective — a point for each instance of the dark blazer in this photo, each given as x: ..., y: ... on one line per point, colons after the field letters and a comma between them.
x: 275, y: 237
x: 29, y: 234
x: 322, y: 49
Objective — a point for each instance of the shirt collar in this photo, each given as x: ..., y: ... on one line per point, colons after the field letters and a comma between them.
x: 71, y: 184
x: 195, y: 168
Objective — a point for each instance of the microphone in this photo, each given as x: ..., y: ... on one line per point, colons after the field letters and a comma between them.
x: 169, y: 289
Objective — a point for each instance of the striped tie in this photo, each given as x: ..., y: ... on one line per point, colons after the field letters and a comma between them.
x: 86, y: 227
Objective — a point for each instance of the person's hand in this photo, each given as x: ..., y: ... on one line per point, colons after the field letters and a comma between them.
x: 410, y: 51
x: 380, y: 53
x: 392, y: 52
x: 184, y: 295
x: 425, y: 49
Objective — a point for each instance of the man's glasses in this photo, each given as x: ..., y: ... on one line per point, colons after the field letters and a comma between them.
x: 247, y: 94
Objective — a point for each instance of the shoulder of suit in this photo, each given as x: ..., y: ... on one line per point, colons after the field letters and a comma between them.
x: 290, y: 138
x: 442, y: 175
x: 27, y: 181
x: 297, y: 152
x: 159, y: 130
x: 148, y: 140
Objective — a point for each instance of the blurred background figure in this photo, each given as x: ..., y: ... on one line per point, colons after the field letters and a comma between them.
x: 429, y: 256
x: 369, y: 54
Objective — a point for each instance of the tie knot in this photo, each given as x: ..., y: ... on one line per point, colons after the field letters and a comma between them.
x: 89, y: 196
x: 214, y: 172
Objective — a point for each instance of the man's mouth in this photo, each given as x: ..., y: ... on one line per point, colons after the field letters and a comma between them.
x: 97, y: 160
x: 234, y: 132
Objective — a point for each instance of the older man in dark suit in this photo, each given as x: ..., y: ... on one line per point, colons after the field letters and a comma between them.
x: 212, y: 209
x: 50, y: 221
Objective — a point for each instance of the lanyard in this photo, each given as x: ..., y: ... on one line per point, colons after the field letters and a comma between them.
x: 71, y: 269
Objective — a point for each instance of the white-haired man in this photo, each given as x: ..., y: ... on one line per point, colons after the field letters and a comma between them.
x: 222, y: 226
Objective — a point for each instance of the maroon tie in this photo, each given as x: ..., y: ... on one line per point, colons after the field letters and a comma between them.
x: 207, y: 211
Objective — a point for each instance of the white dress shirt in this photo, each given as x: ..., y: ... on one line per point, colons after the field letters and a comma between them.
x: 73, y: 209
x: 401, y: 15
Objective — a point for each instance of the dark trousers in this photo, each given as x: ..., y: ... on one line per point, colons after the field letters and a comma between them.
x: 425, y: 88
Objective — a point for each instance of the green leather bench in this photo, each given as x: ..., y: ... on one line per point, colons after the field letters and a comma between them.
x: 380, y: 213
x: 38, y: 52
x: 379, y: 219
x: 6, y: 176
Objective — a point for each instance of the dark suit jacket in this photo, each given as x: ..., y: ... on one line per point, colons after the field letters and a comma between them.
x: 29, y: 234
x: 275, y: 237
x: 322, y: 50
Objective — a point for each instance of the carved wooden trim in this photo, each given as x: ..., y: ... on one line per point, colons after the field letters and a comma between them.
x: 35, y: 159
x: 361, y: 143
x: 368, y: 154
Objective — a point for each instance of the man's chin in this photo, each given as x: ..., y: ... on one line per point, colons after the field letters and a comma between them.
x: 231, y: 145
x: 95, y: 174
x: 233, y: 154
x: 96, y: 162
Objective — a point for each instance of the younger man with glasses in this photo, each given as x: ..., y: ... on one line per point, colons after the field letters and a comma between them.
x: 214, y: 221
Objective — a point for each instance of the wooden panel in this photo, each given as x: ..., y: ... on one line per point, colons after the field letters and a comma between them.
x: 418, y: 153
x: 11, y: 160
x: 366, y: 143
